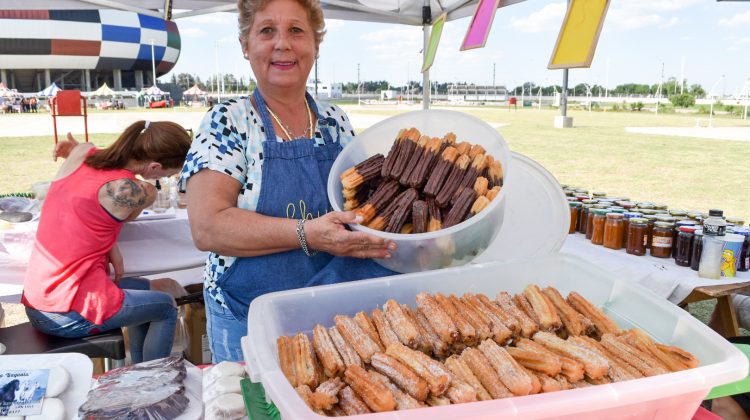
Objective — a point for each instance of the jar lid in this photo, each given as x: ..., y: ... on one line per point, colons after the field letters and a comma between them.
x: 566, y: 186
x: 663, y: 224
x: 716, y: 213
x: 581, y: 191
x: 687, y: 229
x: 599, y: 194
x: 587, y: 206
x: 694, y: 214
x: 581, y: 197
x: 614, y: 216
x: 661, y: 206
x: 664, y: 212
x: 632, y: 214
x: 589, y: 201
x: 600, y: 212
x: 651, y: 217
x: 605, y: 203
x: 574, y: 204
x: 735, y: 221
x: 649, y: 206
x: 617, y: 207
x: 640, y: 220
x: 615, y: 210
x: 686, y: 222
x: 647, y: 211
x: 675, y: 212
x: 601, y: 206
x: 742, y: 231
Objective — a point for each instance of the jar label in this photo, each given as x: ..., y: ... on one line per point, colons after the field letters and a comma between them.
x: 661, y: 242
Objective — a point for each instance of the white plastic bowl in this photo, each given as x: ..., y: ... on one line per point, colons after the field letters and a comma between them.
x: 453, y: 246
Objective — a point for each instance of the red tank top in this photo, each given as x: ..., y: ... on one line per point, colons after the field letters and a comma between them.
x: 68, y: 265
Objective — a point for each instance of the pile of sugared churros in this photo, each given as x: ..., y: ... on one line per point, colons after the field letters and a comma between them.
x: 424, y: 184
x: 452, y: 350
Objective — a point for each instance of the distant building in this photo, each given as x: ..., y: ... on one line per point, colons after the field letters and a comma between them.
x: 477, y: 93
x: 83, y: 49
x: 327, y: 90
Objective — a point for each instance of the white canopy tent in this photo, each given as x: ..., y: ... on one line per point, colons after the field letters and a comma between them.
x: 409, y: 12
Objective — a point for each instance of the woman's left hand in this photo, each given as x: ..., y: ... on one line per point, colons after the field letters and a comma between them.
x: 329, y: 234
x: 118, y: 264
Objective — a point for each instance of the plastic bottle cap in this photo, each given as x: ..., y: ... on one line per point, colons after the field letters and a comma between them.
x: 716, y: 212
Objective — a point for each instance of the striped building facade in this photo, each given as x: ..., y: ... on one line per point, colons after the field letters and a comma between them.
x: 84, y: 48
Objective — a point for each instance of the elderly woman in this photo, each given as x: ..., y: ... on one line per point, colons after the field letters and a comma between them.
x: 256, y: 179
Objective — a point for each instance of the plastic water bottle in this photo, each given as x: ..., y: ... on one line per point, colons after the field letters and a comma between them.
x: 161, y: 203
x: 713, y: 245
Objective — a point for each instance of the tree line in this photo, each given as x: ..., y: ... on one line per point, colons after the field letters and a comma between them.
x: 669, y: 88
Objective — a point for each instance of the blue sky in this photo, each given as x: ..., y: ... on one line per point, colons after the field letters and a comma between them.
x: 638, y: 36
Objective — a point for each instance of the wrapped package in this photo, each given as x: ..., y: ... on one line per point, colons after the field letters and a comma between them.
x: 151, y: 390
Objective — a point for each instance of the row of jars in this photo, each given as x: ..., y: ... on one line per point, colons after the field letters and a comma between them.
x: 642, y: 228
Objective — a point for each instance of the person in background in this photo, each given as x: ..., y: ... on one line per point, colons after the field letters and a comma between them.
x: 256, y: 179
x: 68, y: 291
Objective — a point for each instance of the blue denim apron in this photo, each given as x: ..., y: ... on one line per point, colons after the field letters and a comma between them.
x: 295, y: 174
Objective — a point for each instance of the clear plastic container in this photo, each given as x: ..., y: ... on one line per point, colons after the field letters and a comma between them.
x: 453, y: 246
x: 671, y: 396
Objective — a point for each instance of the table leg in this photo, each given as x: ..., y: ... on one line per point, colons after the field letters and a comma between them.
x: 727, y: 316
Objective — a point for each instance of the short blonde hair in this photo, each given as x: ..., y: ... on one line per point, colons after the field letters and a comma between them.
x: 248, y: 9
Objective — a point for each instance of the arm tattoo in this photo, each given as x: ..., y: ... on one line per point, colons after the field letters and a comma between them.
x: 127, y: 194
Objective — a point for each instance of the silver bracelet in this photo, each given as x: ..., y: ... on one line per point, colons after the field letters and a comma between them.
x: 303, y: 239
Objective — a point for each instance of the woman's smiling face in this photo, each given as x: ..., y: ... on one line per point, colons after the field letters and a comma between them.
x: 281, y: 45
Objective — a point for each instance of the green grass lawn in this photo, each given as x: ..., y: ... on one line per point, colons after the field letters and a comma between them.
x: 687, y: 173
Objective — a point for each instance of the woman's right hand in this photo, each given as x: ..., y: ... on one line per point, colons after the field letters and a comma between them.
x: 329, y: 234
x: 63, y: 148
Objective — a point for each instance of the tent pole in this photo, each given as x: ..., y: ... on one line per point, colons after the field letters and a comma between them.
x: 426, y: 22
x: 426, y: 74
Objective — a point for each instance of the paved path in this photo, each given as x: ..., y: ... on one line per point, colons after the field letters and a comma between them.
x: 24, y: 125
x: 716, y: 133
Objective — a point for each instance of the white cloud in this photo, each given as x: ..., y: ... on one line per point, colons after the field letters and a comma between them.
x: 547, y: 18
x: 669, y: 23
x: 637, y: 14
x: 193, y: 32
x: 229, y: 40
x: 394, y: 44
x: 742, y: 19
x: 687, y: 38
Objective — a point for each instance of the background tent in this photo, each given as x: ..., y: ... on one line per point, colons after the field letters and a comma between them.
x: 195, y: 90
x: 154, y: 90
x: 50, y: 91
x: 104, y: 90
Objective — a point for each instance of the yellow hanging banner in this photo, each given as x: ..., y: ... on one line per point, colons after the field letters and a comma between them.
x: 579, y: 34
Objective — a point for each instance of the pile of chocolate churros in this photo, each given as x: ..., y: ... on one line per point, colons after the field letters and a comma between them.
x: 452, y: 350
x: 424, y: 184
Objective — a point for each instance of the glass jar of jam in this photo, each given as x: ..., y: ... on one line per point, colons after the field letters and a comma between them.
x: 678, y: 224
x: 683, y: 246
x: 637, y: 236
x: 627, y: 205
x: 661, y: 240
x: 614, y: 227
x: 575, y: 208
x: 696, y: 249
x: 745, y: 253
x: 626, y: 217
x: 651, y: 220
x: 590, y: 222
x: 597, y: 232
x: 583, y: 216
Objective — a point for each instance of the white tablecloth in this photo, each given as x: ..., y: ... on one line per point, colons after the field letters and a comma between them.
x: 148, y: 247
x: 660, y: 275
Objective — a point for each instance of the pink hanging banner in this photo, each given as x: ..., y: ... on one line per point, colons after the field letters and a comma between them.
x: 481, y: 23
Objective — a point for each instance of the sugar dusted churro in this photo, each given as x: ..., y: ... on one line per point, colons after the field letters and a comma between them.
x: 511, y: 373
x: 348, y: 355
x: 604, y: 325
x: 286, y: 358
x: 437, y: 376
x: 594, y: 365
x: 441, y: 322
x: 358, y: 339
x: 326, y: 351
x: 461, y: 371
x: 527, y: 326
x: 488, y: 377
x: 373, y: 392
x: 351, y: 403
x: 545, y: 311
x: 401, y: 375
